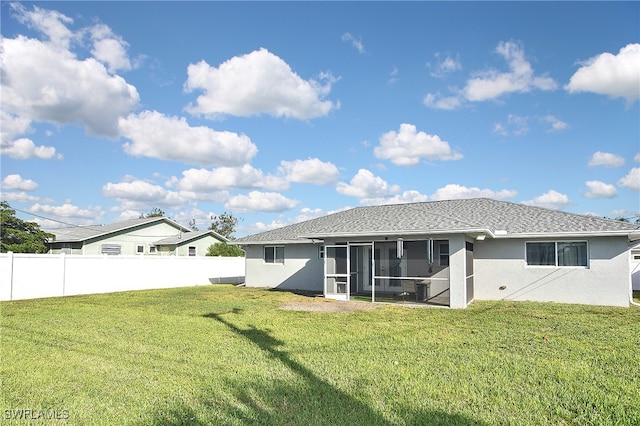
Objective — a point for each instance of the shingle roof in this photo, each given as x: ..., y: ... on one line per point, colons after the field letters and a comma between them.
x: 188, y: 236
x: 478, y: 215
x: 83, y: 233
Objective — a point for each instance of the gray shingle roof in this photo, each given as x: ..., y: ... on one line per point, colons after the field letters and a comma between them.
x: 451, y: 216
x: 188, y: 236
x: 83, y: 233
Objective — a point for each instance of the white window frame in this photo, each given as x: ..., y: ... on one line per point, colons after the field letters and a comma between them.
x: 276, y: 260
x: 555, y: 257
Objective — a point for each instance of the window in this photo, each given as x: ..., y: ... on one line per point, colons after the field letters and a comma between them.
x: 444, y: 254
x: 274, y: 254
x: 558, y: 253
x: 192, y: 251
x: 152, y: 249
x: 321, y: 252
x: 110, y: 249
x: 140, y: 249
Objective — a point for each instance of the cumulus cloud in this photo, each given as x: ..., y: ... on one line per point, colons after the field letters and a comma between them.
x: 257, y: 83
x: 23, y: 149
x: 551, y: 199
x: 67, y: 211
x: 636, y: 158
x: 515, y: 125
x: 110, y: 49
x: 260, y: 201
x: 597, y: 189
x: 410, y: 196
x: 365, y: 185
x: 492, y: 84
x: 45, y: 82
x: 53, y: 24
x: 312, y: 171
x: 631, y: 180
x: 155, y: 135
x: 454, y: 191
x: 356, y: 42
x: 15, y: 181
x: 408, y: 146
x: 244, y: 177
x: 137, y: 194
x: 616, y: 76
x: 605, y: 159
x: 557, y: 125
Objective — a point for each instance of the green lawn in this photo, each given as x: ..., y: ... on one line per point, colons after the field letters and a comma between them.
x: 229, y: 355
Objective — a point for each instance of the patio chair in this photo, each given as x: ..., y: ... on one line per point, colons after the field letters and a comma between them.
x: 408, y: 287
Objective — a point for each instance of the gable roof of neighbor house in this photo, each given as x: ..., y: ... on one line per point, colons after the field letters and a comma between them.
x: 493, y: 218
x: 84, y: 233
x: 189, y: 236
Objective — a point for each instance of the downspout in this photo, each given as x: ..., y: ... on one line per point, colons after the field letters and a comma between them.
x: 631, y: 286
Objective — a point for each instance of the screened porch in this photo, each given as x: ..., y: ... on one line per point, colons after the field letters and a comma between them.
x: 398, y: 271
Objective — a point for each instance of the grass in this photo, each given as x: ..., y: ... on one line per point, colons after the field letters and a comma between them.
x: 228, y: 355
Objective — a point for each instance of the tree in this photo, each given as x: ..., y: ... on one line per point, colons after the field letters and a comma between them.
x: 155, y: 212
x: 19, y: 236
x: 224, y: 249
x: 224, y: 224
x: 192, y: 225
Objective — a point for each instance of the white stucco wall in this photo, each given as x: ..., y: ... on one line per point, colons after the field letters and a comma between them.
x: 302, y: 268
x: 501, y: 263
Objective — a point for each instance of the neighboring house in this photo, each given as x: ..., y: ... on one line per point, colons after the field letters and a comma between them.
x: 147, y: 236
x: 450, y: 252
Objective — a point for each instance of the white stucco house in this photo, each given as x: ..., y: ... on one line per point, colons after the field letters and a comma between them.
x: 147, y: 236
x: 449, y: 253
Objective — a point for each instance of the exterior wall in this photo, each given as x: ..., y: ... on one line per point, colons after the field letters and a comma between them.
x: 501, y: 264
x: 201, y: 245
x: 129, y: 240
x: 302, y: 268
x: 30, y: 276
x: 635, y: 268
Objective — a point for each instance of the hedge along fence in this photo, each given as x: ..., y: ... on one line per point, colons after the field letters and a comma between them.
x: 32, y: 276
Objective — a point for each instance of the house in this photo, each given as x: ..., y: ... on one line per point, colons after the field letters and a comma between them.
x: 449, y: 253
x: 146, y: 236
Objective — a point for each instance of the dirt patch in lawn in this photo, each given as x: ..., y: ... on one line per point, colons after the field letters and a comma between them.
x: 325, y: 305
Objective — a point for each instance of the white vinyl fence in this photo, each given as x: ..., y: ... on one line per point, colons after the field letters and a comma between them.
x: 32, y: 276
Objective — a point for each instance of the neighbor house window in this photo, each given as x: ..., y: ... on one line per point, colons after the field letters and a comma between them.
x: 192, y: 251
x: 140, y: 249
x: 152, y: 249
x: 274, y: 254
x: 557, y: 253
x: 110, y: 249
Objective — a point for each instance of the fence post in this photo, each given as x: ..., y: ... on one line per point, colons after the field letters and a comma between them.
x: 10, y: 275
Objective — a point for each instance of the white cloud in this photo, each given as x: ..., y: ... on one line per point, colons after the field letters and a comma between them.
x: 257, y: 83
x: 616, y: 76
x: 557, y: 125
x: 312, y: 171
x: 365, y: 185
x: 445, y: 66
x: 51, y: 23
x: 454, y: 191
x: 437, y: 101
x: 137, y: 194
x: 597, y: 189
x: 110, y: 49
x: 19, y: 197
x: 23, y: 148
x: 605, y: 159
x: 260, y: 201
x: 551, y: 200
x: 68, y: 211
x: 245, y: 177
x: 492, y: 84
x: 515, y: 125
x: 631, y: 180
x: 155, y: 135
x: 356, y: 42
x: 16, y: 181
x: 410, y: 196
x: 408, y: 146
x: 44, y: 83
x: 636, y: 158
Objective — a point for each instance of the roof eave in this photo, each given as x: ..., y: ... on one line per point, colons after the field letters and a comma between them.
x: 572, y: 234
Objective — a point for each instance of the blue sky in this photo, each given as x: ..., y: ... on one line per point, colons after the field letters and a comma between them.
x: 281, y: 112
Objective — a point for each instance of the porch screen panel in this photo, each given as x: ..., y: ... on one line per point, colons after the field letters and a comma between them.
x: 416, y: 253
